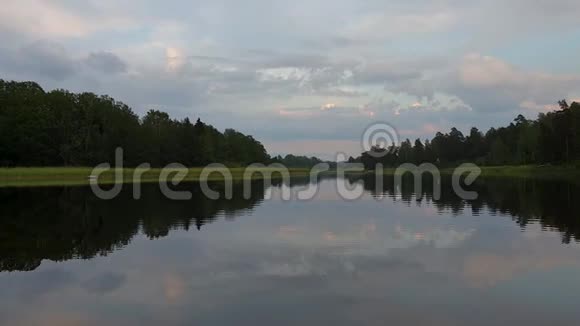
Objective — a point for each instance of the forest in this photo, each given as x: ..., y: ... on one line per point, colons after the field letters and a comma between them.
x: 60, y: 128
x: 553, y: 138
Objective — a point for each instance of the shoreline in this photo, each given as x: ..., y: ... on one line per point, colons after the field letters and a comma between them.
x: 80, y: 176
x: 544, y: 172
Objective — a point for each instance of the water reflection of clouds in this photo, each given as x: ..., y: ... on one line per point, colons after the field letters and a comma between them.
x: 56, y: 317
x: 487, y: 270
x: 174, y: 287
x: 36, y: 285
x: 364, y: 261
x: 438, y: 237
x: 104, y: 283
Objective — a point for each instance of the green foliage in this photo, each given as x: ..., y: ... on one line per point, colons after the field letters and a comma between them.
x: 554, y: 138
x: 297, y: 161
x: 60, y: 128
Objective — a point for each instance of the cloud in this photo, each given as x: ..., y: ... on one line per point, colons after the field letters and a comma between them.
x: 486, y: 71
x: 385, y: 72
x: 531, y: 105
x: 39, y: 18
x: 373, y: 61
x: 283, y: 73
x: 296, y: 113
x: 176, y: 59
x: 342, y: 92
x: 328, y: 106
x: 389, y: 25
x: 106, y: 62
x: 42, y: 58
x: 485, y: 79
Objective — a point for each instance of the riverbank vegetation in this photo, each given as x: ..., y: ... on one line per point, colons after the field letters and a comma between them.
x: 552, y: 139
x: 60, y: 128
x: 542, y: 172
x: 70, y: 176
x: 60, y: 135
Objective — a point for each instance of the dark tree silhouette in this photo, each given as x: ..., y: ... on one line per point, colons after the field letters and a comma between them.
x: 60, y: 128
x: 553, y: 138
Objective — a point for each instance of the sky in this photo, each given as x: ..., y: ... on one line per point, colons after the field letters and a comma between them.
x: 305, y: 76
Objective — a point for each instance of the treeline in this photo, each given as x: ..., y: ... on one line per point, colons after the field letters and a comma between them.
x: 553, y: 138
x: 294, y: 161
x: 60, y: 128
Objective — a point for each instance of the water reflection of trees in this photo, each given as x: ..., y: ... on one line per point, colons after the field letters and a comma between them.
x: 69, y: 222
x: 552, y: 204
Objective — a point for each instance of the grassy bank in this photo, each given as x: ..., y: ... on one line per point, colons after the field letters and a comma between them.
x: 554, y: 172
x: 68, y: 176
x: 548, y: 172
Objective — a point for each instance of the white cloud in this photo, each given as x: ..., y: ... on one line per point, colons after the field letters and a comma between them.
x: 328, y: 106
x: 491, y: 79
x: 47, y: 19
x: 176, y: 59
x: 284, y: 73
x: 378, y: 26
x: 531, y: 105
x: 358, y: 61
x: 485, y: 71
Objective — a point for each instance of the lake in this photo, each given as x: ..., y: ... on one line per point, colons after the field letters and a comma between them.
x: 392, y: 256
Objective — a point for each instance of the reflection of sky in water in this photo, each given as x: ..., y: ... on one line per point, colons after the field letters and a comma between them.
x: 314, y: 262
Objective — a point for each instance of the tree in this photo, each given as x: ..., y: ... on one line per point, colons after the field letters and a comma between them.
x: 554, y: 137
x: 63, y: 128
x: 418, y: 152
x: 500, y: 153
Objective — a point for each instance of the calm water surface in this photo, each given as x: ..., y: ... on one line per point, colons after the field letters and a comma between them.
x: 510, y: 257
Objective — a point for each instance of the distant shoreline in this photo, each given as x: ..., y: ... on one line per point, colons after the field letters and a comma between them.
x: 549, y: 172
